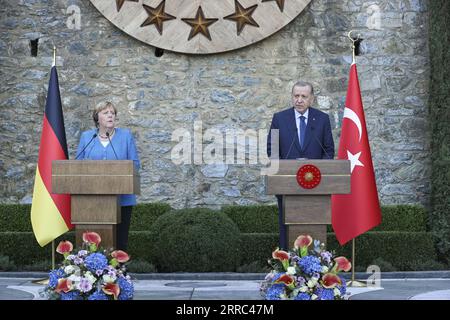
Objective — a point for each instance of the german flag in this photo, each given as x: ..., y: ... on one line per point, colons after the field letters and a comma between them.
x: 50, y: 213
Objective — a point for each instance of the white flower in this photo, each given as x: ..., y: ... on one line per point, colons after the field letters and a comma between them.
x: 69, y: 269
x: 74, y: 278
x: 325, y: 269
x: 336, y: 292
x: 314, y: 297
x: 90, y: 277
x: 290, y: 270
x: 312, y: 283
x: 303, y: 289
x: 109, y: 279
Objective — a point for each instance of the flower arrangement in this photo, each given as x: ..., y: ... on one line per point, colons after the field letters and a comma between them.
x: 90, y: 274
x: 303, y: 274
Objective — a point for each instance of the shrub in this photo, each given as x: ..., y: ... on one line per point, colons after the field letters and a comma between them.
x: 195, y: 240
x: 145, y: 214
x: 254, y: 219
x: 141, y: 266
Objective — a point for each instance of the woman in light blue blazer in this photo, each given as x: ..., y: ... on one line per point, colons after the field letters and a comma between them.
x: 107, y: 142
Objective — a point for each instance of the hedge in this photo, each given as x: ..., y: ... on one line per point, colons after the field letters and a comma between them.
x: 403, y: 250
x: 16, y: 217
x: 400, y: 240
x: 439, y: 102
x: 249, y: 219
x: 195, y: 240
x: 254, y: 219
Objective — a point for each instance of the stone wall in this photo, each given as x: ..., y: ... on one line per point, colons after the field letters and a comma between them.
x: 235, y: 90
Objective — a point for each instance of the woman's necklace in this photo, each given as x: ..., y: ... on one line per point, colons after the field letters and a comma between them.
x: 105, y: 137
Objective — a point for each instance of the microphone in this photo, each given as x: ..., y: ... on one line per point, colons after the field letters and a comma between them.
x: 292, y: 143
x: 107, y: 134
x: 317, y: 139
x: 93, y: 137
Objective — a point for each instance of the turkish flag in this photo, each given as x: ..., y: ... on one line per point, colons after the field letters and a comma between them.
x: 359, y: 211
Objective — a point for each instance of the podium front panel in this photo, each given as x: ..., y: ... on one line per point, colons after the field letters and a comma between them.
x: 307, y: 209
x: 107, y: 234
x: 87, y: 209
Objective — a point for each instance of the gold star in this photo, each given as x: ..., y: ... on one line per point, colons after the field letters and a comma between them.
x: 157, y: 16
x: 119, y: 3
x: 242, y: 16
x: 279, y: 2
x: 199, y: 24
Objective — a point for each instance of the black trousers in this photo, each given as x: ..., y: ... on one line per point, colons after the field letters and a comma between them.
x: 123, y: 228
x: 283, y: 229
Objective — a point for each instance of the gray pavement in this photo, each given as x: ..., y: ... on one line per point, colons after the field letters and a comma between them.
x: 244, y: 286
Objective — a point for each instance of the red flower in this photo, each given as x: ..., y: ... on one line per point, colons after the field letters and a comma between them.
x: 121, y: 256
x: 303, y: 241
x: 342, y: 264
x: 330, y: 280
x: 280, y: 255
x: 64, y: 247
x: 64, y: 285
x: 92, y: 237
x: 286, y: 279
x: 112, y: 289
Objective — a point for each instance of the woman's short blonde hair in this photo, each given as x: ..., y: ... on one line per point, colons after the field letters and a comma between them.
x: 100, y: 107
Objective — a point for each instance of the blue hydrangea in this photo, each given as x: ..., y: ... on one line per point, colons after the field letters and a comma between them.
x: 310, y: 264
x: 126, y: 289
x: 71, y: 295
x: 343, y: 287
x: 302, y: 296
x: 325, y: 294
x: 98, y: 295
x: 274, y: 292
x: 96, y: 261
x: 277, y: 276
x: 53, y: 277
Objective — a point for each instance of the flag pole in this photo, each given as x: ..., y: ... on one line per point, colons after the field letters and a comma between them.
x: 45, y: 280
x: 353, y: 282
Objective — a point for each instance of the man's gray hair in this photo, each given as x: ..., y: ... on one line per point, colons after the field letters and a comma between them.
x: 303, y: 84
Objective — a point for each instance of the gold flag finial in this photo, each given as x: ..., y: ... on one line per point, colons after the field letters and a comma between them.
x: 353, y: 40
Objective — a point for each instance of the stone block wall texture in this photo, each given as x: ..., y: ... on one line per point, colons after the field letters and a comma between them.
x: 235, y: 90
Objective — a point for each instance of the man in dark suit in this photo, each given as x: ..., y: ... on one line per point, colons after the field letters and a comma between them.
x: 304, y: 132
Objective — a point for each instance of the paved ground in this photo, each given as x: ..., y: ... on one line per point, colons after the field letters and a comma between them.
x: 392, y: 286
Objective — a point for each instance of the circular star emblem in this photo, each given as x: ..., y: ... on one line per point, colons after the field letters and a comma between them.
x: 308, y: 176
x: 200, y: 26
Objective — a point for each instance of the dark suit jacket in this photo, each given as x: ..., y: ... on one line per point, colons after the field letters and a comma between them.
x: 319, y: 142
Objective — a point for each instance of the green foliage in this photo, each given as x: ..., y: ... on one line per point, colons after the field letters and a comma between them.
x: 145, y: 214
x: 253, y: 267
x: 254, y: 219
x: 23, y: 249
x: 6, y: 264
x: 398, y: 248
x: 257, y: 246
x: 15, y: 217
x: 141, y: 266
x: 195, y: 240
x: 439, y: 102
x: 410, y: 218
x: 193, y: 236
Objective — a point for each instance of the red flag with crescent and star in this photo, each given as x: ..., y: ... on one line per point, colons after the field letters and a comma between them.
x: 357, y: 212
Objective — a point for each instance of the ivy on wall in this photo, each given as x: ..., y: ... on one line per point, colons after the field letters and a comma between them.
x: 439, y: 104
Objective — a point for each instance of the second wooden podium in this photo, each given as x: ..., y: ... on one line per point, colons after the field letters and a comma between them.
x: 95, y: 187
x: 308, y: 211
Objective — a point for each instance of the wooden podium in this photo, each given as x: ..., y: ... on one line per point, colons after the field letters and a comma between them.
x: 95, y: 186
x: 308, y: 211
